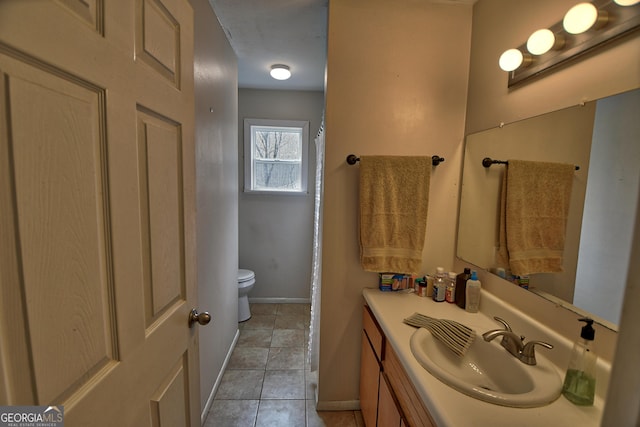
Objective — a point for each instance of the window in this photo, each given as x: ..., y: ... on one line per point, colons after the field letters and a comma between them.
x: 275, y: 156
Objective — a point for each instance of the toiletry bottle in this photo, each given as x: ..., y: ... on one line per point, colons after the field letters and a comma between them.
x: 450, y: 294
x: 580, y: 381
x: 421, y: 287
x: 429, y: 280
x: 461, y: 287
x: 473, y: 293
x: 439, y: 285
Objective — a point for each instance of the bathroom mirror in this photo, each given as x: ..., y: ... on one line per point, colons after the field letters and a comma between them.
x: 601, y: 137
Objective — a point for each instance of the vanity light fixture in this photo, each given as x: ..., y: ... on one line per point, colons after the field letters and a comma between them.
x: 582, y: 17
x: 626, y: 2
x: 542, y: 41
x: 585, y: 26
x: 280, y: 72
x: 512, y: 59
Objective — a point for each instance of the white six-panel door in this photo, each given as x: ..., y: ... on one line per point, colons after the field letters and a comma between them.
x: 97, y: 211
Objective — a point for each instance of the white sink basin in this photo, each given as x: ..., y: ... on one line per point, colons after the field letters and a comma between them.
x: 488, y: 372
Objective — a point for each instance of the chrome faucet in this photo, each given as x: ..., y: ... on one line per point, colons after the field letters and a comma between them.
x: 514, y: 344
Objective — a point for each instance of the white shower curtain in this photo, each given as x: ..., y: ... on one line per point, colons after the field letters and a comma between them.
x: 316, y: 271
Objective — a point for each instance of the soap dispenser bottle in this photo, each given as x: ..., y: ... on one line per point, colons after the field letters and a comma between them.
x: 580, y: 381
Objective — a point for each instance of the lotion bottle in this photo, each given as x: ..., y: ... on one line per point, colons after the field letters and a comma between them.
x: 472, y: 303
x: 580, y: 380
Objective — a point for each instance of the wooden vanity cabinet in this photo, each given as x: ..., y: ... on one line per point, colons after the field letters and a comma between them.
x: 409, y: 401
x: 370, y: 368
x: 369, y: 383
x: 387, y: 397
x: 388, y: 412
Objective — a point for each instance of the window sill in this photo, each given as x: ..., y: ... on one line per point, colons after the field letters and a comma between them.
x: 276, y: 193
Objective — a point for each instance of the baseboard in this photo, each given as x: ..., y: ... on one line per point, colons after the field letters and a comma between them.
x: 338, y: 405
x: 273, y: 300
x: 207, y: 406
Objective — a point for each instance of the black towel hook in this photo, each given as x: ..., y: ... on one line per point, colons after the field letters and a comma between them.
x: 352, y: 159
x: 488, y: 161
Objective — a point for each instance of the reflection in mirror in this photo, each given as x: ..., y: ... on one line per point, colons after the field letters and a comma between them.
x: 602, y: 138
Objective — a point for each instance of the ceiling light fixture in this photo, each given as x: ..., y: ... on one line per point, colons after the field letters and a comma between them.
x: 280, y: 72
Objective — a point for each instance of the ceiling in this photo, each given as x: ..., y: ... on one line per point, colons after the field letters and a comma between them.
x: 267, y: 32
x: 291, y: 32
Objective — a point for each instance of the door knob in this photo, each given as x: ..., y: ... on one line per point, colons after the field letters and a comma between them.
x: 201, y: 318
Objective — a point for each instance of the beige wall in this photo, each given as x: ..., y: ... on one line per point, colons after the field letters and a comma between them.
x: 396, y: 84
x: 623, y: 400
x: 276, y: 231
x: 216, y: 107
x: 534, y: 139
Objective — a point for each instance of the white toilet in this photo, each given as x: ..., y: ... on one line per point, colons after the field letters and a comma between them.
x: 246, y: 280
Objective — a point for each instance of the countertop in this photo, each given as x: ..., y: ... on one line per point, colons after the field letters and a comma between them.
x: 448, y: 406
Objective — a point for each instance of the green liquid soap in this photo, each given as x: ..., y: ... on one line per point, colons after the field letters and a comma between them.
x: 579, y: 387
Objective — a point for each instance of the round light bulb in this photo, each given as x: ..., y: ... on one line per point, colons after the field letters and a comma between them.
x: 541, y: 42
x: 626, y: 2
x: 280, y: 72
x: 580, y: 18
x: 511, y: 59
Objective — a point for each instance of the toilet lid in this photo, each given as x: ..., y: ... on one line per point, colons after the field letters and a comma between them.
x: 245, y: 275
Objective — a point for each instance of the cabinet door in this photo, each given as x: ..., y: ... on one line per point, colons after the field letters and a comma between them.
x: 409, y: 401
x: 369, y: 383
x: 373, y: 331
x: 388, y: 413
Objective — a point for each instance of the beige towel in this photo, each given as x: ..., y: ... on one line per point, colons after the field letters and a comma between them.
x: 537, y: 204
x: 394, y: 195
x: 502, y: 256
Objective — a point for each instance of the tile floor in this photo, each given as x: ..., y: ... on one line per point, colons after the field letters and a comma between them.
x: 267, y: 381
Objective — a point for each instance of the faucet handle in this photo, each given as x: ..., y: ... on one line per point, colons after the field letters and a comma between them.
x: 528, y: 354
x: 504, y: 323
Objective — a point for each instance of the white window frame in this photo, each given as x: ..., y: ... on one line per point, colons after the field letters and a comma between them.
x: 249, y: 161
